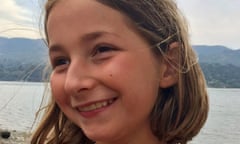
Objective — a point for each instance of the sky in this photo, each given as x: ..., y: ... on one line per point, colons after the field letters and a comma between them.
x: 211, y: 22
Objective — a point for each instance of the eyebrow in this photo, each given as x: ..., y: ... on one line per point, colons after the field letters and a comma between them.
x: 55, y: 48
x: 95, y: 35
x: 86, y: 38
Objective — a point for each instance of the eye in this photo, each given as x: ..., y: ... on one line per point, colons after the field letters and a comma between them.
x: 102, y: 50
x: 60, y: 61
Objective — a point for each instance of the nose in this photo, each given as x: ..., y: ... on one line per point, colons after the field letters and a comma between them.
x: 79, y: 78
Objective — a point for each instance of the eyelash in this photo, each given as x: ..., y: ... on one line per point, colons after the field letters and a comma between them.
x: 60, y: 61
x: 102, y: 49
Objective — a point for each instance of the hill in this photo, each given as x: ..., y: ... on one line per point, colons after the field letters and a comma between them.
x: 217, y: 54
x: 22, y: 50
x: 221, y: 76
x: 24, y: 60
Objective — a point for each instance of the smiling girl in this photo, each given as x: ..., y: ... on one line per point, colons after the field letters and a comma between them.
x: 123, y: 73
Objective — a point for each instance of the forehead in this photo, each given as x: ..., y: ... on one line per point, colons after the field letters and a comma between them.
x: 86, y: 16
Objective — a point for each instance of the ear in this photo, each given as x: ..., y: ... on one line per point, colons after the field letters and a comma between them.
x: 169, y: 67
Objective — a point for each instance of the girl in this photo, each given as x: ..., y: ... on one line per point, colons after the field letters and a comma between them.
x: 123, y: 73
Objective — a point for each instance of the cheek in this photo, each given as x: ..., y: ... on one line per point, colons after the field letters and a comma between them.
x: 128, y: 75
x: 57, y: 89
x: 114, y: 74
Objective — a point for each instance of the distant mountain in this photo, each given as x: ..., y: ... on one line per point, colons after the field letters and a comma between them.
x: 217, y: 54
x: 22, y: 50
x: 24, y: 60
x: 220, y: 65
x: 224, y: 76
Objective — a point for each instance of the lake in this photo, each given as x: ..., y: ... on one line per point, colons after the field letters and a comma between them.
x: 20, y: 101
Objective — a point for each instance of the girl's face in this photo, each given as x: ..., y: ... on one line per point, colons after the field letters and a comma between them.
x: 105, y: 77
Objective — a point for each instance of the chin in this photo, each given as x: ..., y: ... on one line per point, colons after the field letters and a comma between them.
x: 101, y: 137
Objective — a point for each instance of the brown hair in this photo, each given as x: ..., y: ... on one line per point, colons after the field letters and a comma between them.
x: 181, y: 110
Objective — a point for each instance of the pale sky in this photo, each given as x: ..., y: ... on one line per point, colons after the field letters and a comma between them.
x: 211, y: 22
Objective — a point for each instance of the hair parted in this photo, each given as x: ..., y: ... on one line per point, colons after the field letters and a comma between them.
x: 181, y: 110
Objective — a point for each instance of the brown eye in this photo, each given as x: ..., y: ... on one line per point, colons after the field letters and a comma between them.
x: 60, y: 62
x: 102, y: 49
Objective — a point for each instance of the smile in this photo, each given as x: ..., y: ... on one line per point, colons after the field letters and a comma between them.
x: 97, y: 105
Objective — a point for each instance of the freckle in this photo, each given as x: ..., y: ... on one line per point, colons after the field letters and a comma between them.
x: 110, y: 75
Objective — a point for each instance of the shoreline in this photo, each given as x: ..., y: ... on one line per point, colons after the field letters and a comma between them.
x: 16, y: 137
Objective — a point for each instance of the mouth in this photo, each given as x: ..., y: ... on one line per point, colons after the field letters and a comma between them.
x: 96, y: 105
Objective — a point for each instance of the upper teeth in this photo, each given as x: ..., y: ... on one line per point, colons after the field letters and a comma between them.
x: 96, y: 106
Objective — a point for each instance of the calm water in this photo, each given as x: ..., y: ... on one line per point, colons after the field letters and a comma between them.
x: 20, y: 101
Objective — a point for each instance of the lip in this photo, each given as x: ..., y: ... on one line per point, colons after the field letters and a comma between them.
x: 92, y: 109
